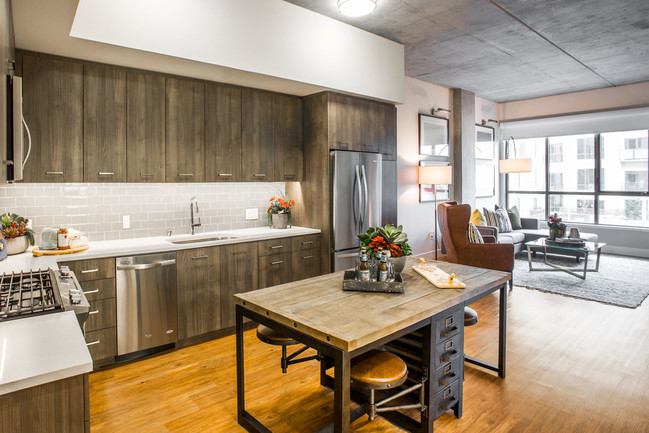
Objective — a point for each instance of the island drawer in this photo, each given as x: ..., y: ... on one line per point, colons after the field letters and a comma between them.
x: 102, y: 314
x: 93, y: 269
x: 305, y: 242
x: 448, y: 372
x: 448, y: 350
x: 449, y: 325
x: 102, y: 344
x: 273, y: 246
x: 446, y: 399
x: 99, y: 289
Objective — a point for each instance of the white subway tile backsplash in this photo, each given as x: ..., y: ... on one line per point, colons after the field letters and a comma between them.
x: 97, y: 209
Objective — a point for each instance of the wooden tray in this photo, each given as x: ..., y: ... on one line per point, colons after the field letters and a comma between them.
x: 437, y: 277
x: 37, y: 252
x: 351, y: 284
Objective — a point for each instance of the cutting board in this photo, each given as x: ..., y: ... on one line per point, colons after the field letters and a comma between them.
x: 438, y: 277
x: 37, y: 252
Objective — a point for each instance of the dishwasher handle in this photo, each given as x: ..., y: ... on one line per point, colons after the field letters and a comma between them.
x: 143, y: 266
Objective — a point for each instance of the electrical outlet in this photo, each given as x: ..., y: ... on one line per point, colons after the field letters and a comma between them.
x: 252, y: 214
x: 126, y: 221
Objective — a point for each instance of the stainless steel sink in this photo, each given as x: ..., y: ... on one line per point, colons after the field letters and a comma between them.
x: 194, y: 240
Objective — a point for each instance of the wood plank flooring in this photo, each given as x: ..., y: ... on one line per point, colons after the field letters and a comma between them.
x: 572, y: 366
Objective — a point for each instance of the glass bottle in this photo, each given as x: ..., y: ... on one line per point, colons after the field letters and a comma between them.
x: 383, y: 269
x: 364, y: 268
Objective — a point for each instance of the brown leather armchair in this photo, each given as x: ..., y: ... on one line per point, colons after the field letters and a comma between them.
x: 453, y: 222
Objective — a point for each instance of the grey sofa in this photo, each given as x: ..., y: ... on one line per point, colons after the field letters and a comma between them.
x: 529, y: 232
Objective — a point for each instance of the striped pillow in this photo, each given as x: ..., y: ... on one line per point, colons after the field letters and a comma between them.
x: 504, y: 225
x: 490, y: 218
x: 474, y: 234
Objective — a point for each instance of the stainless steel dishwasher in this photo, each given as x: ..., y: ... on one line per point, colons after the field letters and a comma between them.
x: 146, y: 302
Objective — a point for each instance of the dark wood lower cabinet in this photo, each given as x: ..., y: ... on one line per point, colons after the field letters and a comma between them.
x: 305, y: 264
x: 102, y: 345
x: 55, y: 407
x: 274, y: 269
x: 238, y: 274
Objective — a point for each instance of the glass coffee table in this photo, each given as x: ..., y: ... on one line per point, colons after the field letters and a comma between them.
x: 543, y: 244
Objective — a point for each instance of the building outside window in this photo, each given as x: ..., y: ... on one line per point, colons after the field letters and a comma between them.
x: 556, y: 152
x: 585, y: 148
x: 585, y: 179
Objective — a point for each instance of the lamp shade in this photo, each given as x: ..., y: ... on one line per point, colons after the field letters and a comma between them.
x: 517, y: 165
x: 434, y: 175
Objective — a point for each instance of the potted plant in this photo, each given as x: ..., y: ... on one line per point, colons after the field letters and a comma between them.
x: 557, y: 228
x: 18, y: 236
x: 391, y: 239
x: 279, y: 212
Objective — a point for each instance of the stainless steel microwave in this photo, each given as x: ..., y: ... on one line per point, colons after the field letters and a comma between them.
x: 13, y: 130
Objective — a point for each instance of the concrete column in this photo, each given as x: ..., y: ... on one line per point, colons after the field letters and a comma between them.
x: 463, y: 146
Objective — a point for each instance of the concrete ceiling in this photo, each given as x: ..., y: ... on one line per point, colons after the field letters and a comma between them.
x: 506, y: 50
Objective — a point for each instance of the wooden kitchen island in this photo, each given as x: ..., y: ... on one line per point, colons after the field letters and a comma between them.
x: 341, y: 325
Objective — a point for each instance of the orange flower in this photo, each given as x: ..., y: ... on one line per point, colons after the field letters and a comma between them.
x: 395, y: 250
x: 292, y: 202
x: 280, y: 200
x: 272, y: 198
x: 285, y: 205
x: 377, y: 242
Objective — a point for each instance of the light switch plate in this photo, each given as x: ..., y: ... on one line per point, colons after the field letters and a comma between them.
x: 126, y: 221
x: 252, y: 214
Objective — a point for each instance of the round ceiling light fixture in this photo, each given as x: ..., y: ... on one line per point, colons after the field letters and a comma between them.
x: 356, y: 8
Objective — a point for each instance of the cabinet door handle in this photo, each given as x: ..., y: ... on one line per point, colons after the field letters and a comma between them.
x: 259, y: 175
x: 94, y: 312
x: 185, y: 174
x: 289, y: 176
x: 366, y: 145
x: 276, y: 246
x: 93, y: 343
x: 89, y: 271
x: 307, y: 257
x: 106, y: 173
x: 146, y: 174
x: 344, y: 142
x: 90, y: 292
x: 225, y: 174
x: 277, y: 262
x: 199, y: 257
x: 307, y: 243
x: 57, y: 173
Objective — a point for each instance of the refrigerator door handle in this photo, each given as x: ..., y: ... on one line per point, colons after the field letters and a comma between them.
x: 366, y: 200
x: 356, y: 204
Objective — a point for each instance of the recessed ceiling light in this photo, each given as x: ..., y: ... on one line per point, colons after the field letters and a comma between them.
x: 356, y: 8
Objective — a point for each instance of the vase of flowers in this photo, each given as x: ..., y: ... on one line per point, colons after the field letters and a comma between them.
x: 390, y: 239
x: 18, y: 237
x: 279, y: 212
x: 557, y: 228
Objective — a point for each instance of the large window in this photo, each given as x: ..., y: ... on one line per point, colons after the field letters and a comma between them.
x: 576, y: 186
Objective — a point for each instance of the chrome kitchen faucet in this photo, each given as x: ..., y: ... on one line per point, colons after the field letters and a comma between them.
x: 193, y: 203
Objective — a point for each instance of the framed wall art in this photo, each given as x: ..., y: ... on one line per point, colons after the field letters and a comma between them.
x: 433, y: 136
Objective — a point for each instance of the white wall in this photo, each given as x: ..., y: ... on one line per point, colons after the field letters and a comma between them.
x: 485, y: 110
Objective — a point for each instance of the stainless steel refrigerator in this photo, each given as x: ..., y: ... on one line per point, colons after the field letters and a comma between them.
x: 356, y: 186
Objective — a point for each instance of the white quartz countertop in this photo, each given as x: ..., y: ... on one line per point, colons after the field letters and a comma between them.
x: 49, y: 347
x: 41, y: 349
x: 128, y: 247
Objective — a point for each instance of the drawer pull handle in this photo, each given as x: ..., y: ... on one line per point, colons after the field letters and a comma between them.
x: 307, y: 257
x: 90, y: 292
x: 448, y: 404
x: 449, y: 332
x: 146, y: 174
x: 274, y: 247
x: 259, y: 175
x: 94, y: 312
x: 289, y: 176
x: 56, y: 173
x: 277, y: 262
x: 344, y: 142
x: 92, y: 343
x: 89, y: 271
x: 225, y: 174
x: 106, y: 173
x: 444, y: 381
x: 199, y: 257
x: 307, y: 243
x: 185, y: 174
x: 446, y: 357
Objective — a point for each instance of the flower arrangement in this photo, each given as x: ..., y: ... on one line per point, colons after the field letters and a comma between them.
x: 390, y: 238
x: 13, y: 226
x: 557, y: 228
x: 280, y: 205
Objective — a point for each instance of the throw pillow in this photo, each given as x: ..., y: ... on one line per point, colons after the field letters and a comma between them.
x: 514, y: 217
x: 474, y: 234
x: 490, y: 217
x: 477, y: 218
x: 504, y: 225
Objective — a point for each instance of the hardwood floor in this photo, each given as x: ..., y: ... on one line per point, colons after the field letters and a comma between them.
x: 572, y: 366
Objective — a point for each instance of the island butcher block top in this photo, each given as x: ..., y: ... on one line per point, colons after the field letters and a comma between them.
x: 320, y: 308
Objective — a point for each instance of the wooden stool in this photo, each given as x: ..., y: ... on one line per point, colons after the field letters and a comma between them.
x: 470, y: 316
x: 276, y: 338
x: 378, y: 369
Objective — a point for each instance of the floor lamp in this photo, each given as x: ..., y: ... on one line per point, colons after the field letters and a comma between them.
x: 434, y: 175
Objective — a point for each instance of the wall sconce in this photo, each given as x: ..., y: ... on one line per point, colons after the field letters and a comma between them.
x: 515, y: 165
x: 437, y: 110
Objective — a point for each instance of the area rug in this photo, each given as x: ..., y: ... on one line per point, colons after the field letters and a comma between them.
x: 621, y: 281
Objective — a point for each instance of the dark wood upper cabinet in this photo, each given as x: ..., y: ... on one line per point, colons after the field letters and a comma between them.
x: 387, y: 125
x: 185, y: 125
x: 104, y: 124
x: 145, y: 127
x: 257, y: 136
x: 287, y: 136
x: 222, y: 133
x: 238, y: 274
x: 53, y: 109
x: 355, y: 124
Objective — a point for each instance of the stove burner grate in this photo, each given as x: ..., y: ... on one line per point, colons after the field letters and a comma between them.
x: 28, y: 293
